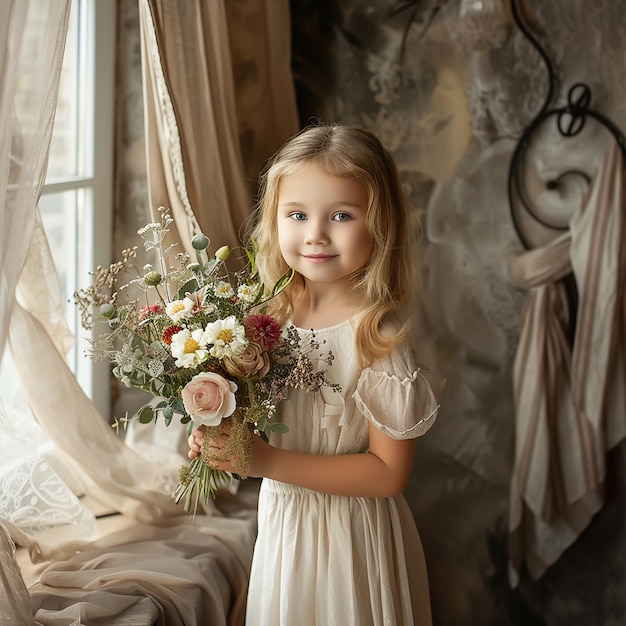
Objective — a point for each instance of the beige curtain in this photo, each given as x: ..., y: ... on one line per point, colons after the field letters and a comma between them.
x: 196, y: 112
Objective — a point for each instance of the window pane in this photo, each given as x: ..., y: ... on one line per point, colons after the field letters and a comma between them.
x: 66, y: 221
x: 67, y: 154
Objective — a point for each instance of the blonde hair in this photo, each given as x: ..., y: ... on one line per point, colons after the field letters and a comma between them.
x: 385, y: 282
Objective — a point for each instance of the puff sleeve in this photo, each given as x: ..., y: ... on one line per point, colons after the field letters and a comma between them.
x: 396, y: 397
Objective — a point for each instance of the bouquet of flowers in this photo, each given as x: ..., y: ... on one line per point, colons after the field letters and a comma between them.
x: 198, y: 339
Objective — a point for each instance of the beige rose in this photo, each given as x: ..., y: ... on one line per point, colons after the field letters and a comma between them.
x: 209, y: 397
x: 251, y: 361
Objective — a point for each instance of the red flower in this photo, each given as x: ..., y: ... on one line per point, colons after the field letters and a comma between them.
x: 152, y: 309
x: 263, y: 329
x: 169, y: 332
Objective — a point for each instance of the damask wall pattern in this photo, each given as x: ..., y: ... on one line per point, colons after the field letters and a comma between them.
x: 449, y: 92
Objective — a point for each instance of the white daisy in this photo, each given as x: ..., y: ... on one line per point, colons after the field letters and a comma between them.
x: 248, y: 293
x: 189, y: 348
x: 224, y: 289
x: 178, y: 310
x: 227, y: 336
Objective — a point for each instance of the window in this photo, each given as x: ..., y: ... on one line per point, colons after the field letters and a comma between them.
x: 77, y: 200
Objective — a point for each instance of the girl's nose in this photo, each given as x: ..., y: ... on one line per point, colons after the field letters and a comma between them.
x: 316, y: 233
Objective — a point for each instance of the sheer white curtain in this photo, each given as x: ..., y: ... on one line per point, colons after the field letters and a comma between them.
x: 31, y: 50
x: 33, y: 335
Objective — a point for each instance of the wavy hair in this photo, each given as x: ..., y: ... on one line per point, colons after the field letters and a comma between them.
x: 385, y: 283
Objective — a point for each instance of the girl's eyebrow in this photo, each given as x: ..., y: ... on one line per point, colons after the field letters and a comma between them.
x: 356, y: 205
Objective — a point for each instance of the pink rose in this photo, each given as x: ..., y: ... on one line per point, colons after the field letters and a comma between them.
x: 209, y: 397
x: 251, y: 361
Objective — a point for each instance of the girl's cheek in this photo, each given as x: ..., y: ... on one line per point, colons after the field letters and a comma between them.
x: 283, y: 243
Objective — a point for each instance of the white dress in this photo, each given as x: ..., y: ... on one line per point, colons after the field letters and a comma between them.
x: 325, y: 560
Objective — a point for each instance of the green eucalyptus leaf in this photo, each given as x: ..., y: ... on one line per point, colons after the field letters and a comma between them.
x: 279, y: 428
x: 189, y: 287
x: 146, y: 414
x: 177, y: 405
x: 168, y: 414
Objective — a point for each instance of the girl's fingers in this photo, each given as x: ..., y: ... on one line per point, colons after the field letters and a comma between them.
x: 215, y: 447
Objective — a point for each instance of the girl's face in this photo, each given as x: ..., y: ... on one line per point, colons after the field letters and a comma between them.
x: 322, y: 230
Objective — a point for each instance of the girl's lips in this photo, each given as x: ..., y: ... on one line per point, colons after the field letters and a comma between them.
x: 319, y: 258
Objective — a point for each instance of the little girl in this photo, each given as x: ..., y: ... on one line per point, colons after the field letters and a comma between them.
x: 337, y: 544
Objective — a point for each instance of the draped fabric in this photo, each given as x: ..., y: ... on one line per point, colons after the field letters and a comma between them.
x: 195, y: 163
x: 26, y: 127
x: 25, y: 131
x: 14, y: 599
x: 569, y: 375
x: 87, y: 457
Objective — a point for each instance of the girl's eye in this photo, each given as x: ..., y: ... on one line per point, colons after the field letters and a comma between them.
x: 342, y: 217
x: 297, y: 216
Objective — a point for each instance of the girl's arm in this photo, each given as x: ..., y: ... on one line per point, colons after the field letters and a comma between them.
x: 380, y: 473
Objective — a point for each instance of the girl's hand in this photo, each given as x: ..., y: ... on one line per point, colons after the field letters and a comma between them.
x: 261, y: 453
x: 214, y: 446
x: 260, y: 456
x: 195, y: 443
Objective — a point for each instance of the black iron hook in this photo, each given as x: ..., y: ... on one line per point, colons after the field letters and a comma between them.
x: 570, y: 121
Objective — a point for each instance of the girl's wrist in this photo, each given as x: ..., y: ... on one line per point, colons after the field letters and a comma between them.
x: 262, y: 453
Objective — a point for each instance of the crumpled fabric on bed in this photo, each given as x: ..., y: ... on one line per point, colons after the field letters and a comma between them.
x: 184, y: 570
x: 185, y: 574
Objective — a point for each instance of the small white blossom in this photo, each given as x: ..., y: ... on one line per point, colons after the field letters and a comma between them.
x: 224, y: 289
x: 248, y: 293
x: 178, y: 310
x: 189, y: 348
x: 153, y: 227
x: 227, y: 337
